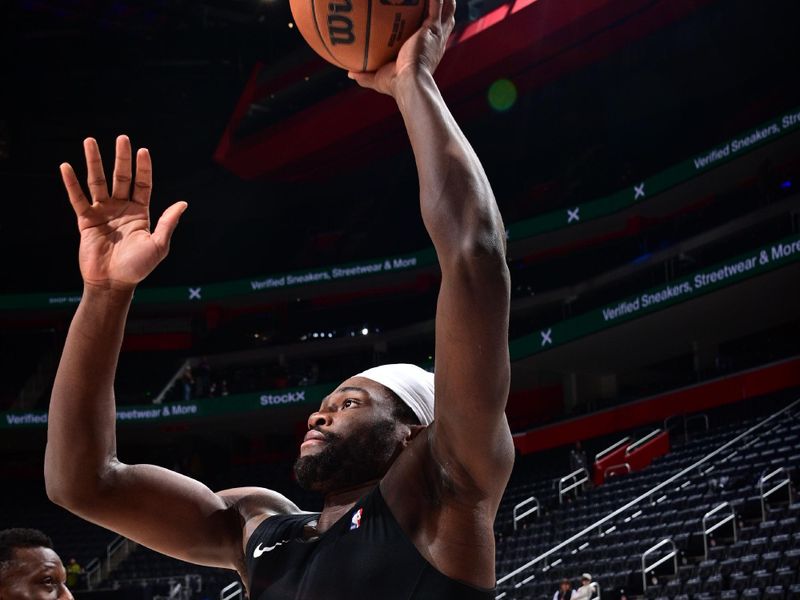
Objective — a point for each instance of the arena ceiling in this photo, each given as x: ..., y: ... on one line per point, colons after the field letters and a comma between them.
x: 170, y: 74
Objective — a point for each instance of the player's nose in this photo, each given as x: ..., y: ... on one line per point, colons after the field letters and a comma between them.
x: 65, y: 594
x: 318, y: 419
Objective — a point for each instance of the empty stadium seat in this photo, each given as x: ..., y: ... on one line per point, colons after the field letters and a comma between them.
x: 774, y: 592
x: 751, y: 594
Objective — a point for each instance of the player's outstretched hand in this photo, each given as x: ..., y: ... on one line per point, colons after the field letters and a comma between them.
x: 117, y: 249
x: 421, y: 52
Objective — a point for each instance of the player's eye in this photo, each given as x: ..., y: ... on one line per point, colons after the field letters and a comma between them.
x: 348, y: 403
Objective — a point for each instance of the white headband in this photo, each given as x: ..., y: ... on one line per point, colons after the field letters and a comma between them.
x: 413, y: 385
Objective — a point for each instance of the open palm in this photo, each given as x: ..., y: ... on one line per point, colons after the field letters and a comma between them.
x: 117, y: 249
x: 423, y: 50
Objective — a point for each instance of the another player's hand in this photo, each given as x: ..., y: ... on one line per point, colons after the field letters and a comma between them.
x: 421, y: 52
x: 117, y: 249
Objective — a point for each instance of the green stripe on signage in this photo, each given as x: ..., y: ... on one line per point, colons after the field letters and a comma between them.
x: 209, y: 407
x: 594, y: 209
x: 734, y: 270
x: 753, y: 263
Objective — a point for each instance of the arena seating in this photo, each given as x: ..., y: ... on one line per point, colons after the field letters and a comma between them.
x: 763, y: 563
x: 145, y: 568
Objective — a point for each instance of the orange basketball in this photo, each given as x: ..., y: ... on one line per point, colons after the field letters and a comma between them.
x: 357, y: 35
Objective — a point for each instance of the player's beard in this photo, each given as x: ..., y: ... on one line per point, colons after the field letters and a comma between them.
x: 347, y: 462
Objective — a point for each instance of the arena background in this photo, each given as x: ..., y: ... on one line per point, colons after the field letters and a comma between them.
x: 645, y: 157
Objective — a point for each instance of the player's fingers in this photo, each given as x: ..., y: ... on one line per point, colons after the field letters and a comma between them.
x: 166, y: 225
x: 121, y: 185
x: 435, y: 8
x: 98, y: 187
x: 449, y: 15
x: 366, y: 80
x: 144, y: 178
x: 76, y: 196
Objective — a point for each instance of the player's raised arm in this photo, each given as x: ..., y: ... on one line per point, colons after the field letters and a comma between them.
x: 470, y: 431
x: 159, y: 508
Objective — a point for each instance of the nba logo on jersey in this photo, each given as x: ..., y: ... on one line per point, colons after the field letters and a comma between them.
x: 355, y: 522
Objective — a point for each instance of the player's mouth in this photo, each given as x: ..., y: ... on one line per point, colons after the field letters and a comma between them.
x: 313, y: 438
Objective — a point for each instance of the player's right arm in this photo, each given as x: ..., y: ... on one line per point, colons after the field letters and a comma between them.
x: 161, y: 509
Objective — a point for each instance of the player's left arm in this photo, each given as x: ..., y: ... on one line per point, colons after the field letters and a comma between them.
x: 470, y: 435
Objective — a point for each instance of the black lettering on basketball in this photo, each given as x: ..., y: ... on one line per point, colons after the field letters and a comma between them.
x: 398, y: 24
x: 340, y: 29
x: 345, y: 6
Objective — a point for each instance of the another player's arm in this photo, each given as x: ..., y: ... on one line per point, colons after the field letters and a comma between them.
x: 161, y: 509
x: 471, y: 438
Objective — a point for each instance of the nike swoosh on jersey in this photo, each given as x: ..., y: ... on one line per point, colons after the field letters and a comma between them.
x: 259, y: 550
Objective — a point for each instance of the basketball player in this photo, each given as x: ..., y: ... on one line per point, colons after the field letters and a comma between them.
x: 411, y: 486
x: 29, y: 567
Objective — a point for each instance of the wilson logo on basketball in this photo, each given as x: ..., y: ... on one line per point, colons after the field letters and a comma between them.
x: 358, y: 35
x: 340, y: 26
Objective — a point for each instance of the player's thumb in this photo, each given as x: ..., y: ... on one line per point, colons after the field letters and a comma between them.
x: 366, y: 80
x: 166, y: 225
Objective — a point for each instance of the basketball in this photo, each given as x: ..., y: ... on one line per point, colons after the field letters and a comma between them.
x: 357, y: 35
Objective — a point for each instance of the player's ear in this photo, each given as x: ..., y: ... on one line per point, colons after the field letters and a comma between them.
x: 411, y: 431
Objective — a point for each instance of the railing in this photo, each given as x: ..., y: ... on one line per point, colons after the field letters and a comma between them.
x: 648, y: 494
x: 231, y: 591
x: 783, y: 483
x: 93, y: 573
x: 611, y: 448
x: 597, y: 594
x: 731, y: 518
x: 117, y: 545
x: 671, y: 418
x: 577, y: 478
x: 159, y: 399
x: 536, y: 509
x: 181, y: 587
x: 612, y: 470
x: 672, y: 554
x: 642, y: 441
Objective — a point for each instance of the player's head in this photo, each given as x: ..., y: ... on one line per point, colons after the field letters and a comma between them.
x: 29, y: 567
x: 362, y: 426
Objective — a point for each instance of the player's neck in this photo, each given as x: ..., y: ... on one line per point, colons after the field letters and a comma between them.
x: 338, y: 502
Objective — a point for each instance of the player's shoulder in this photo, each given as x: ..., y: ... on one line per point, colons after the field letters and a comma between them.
x: 255, y: 505
x: 254, y: 502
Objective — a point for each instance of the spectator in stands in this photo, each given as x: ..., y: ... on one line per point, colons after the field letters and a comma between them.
x: 29, y: 567
x: 577, y: 457
x: 74, y: 571
x: 187, y: 383
x: 564, y: 591
x: 586, y: 590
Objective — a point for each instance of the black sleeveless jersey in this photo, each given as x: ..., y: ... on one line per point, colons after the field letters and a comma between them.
x: 363, y: 556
